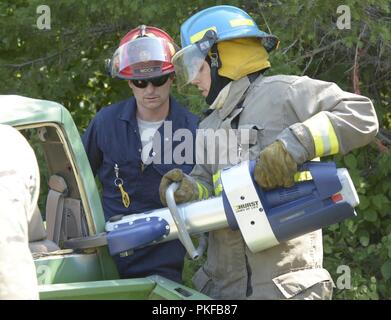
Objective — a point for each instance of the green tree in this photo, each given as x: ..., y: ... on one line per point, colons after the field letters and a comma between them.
x: 67, y: 64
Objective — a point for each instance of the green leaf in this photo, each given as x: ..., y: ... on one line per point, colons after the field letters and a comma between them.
x: 327, y: 249
x: 386, y: 270
x: 352, y: 227
x: 386, y: 186
x: 334, y: 227
x: 364, y: 203
x: 350, y: 161
x: 364, y: 238
x: 370, y: 215
x: 378, y: 201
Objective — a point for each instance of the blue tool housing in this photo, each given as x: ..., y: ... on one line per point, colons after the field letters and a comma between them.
x: 136, y: 235
x: 303, y: 208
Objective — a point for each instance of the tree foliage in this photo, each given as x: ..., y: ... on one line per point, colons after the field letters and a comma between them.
x: 66, y: 64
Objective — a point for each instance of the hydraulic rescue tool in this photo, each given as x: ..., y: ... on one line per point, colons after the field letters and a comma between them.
x: 265, y: 218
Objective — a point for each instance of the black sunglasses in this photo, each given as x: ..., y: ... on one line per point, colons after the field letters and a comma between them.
x: 156, y: 82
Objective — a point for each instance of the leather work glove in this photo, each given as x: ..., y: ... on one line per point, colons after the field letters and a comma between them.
x: 275, y: 167
x: 187, y: 191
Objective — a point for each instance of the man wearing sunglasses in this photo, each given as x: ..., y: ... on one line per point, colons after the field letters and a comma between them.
x: 129, y: 149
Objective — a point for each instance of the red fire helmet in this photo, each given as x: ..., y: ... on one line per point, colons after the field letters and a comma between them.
x: 145, y: 52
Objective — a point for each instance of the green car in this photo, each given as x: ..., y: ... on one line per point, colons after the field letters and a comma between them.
x: 72, y: 209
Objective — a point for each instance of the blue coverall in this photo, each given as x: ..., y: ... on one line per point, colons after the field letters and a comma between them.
x: 113, y: 138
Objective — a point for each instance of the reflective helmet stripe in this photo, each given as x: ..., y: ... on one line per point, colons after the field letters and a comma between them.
x: 241, y: 22
x: 198, y: 36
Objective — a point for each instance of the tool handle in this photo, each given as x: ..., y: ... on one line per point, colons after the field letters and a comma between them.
x: 183, y: 234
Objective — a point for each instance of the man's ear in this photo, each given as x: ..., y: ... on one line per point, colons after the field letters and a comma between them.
x: 172, y: 77
x: 130, y: 84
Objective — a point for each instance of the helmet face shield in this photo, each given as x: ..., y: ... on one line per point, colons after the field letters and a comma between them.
x: 188, y: 61
x: 142, y: 58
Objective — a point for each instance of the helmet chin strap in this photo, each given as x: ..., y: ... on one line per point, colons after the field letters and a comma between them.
x: 217, y: 82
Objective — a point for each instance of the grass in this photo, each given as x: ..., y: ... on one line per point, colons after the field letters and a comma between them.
x: 190, y: 268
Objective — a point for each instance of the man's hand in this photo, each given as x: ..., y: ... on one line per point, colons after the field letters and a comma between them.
x: 187, y: 191
x: 275, y: 167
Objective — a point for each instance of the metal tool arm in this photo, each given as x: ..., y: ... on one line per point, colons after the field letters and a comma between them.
x: 183, y: 234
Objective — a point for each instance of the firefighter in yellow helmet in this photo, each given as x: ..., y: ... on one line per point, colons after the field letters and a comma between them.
x: 289, y: 120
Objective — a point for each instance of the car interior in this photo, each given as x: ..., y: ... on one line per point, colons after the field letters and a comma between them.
x: 59, y: 214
